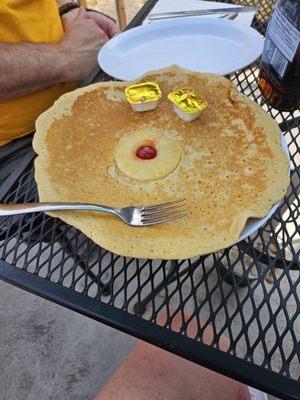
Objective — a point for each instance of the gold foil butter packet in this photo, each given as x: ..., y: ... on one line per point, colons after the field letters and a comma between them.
x: 187, y: 104
x: 143, y: 96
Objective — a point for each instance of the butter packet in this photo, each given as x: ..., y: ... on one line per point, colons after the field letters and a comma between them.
x: 187, y: 104
x: 143, y: 96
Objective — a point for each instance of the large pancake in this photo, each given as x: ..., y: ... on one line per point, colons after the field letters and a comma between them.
x: 232, y: 166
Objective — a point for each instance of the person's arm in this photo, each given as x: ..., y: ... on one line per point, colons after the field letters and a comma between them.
x: 28, y: 67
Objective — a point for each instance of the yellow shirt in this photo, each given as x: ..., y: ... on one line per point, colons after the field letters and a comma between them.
x: 30, y: 21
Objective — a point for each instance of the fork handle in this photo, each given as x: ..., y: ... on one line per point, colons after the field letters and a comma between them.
x: 14, y: 209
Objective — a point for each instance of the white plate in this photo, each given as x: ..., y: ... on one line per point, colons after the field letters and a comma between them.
x: 253, y: 225
x: 198, y: 44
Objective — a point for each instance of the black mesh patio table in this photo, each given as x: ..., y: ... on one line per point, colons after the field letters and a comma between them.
x: 248, y: 292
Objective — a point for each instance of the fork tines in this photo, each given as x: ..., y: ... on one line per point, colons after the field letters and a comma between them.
x: 164, y: 212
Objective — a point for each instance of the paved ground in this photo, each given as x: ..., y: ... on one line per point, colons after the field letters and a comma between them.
x: 50, y: 353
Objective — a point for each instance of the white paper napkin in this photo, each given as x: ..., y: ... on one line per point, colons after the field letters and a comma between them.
x: 184, y: 5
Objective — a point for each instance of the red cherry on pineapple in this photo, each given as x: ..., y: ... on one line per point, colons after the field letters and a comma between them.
x: 146, y: 152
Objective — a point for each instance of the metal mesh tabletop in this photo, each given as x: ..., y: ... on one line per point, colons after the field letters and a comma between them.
x: 249, y: 292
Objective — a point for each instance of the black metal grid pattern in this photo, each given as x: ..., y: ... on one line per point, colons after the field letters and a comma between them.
x: 249, y: 292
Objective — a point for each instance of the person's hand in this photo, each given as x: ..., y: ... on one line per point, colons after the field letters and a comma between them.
x: 105, y: 23
x: 80, y: 45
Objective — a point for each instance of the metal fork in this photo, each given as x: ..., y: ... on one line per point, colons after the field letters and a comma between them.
x: 134, y: 216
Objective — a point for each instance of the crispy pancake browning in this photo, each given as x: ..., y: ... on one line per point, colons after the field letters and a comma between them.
x: 232, y: 166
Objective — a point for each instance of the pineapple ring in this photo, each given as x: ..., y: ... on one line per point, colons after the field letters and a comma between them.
x: 168, y: 155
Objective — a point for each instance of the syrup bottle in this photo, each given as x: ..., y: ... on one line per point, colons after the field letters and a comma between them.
x: 279, y: 78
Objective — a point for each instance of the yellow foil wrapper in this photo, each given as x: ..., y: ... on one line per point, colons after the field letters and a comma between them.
x: 143, y: 92
x: 187, y: 100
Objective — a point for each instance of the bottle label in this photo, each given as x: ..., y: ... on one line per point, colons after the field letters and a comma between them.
x: 282, y: 41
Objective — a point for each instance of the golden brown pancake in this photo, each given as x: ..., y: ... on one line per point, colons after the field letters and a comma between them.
x: 232, y: 166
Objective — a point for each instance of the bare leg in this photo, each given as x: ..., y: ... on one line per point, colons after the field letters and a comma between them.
x: 149, y: 373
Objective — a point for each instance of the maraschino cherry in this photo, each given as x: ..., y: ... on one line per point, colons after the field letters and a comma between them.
x: 146, y: 152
